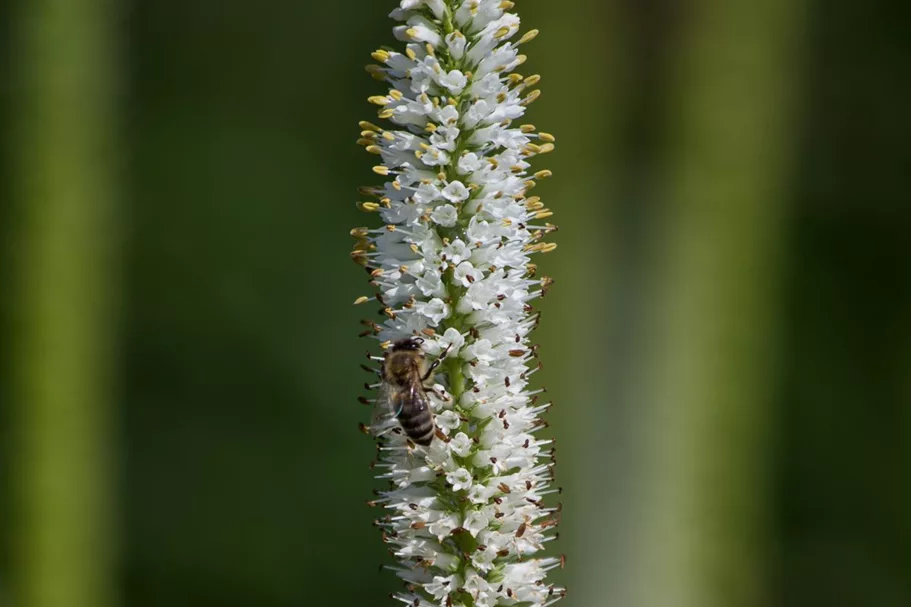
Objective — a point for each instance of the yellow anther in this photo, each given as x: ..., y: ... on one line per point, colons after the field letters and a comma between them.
x: 506, y: 5
x: 544, y: 173
x: 528, y: 37
x: 528, y: 128
x: 543, y: 214
x: 532, y: 148
x: 375, y: 71
x: 531, y: 96
x: 520, y: 59
x: 395, y: 94
x: 409, y: 52
x: 429, y: 48
x: 381, y: 170
x: 503, y: 31
x: 388, y: 136
x: 369, y: 207
x: 378, y: 100
x: 411, y: 32
x: 364, y: 142
x: 359, y: 232
x: 360, y: 300
x: 368, y: 126
x: 546, y: 137
x: 541, y: 247
x: 386, y: 114
x: 374, y: 149
x: 546, y: 148
x: 533, y: 80
x: 380, y: 55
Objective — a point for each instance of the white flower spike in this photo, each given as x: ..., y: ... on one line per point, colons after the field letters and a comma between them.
x: 464, y: 512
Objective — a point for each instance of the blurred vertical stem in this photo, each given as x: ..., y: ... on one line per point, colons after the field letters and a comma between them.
x: 710, y: 377
x: 63, y: 150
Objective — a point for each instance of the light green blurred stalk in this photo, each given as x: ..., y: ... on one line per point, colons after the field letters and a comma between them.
x: 709, y: 381
x: 65, y: 173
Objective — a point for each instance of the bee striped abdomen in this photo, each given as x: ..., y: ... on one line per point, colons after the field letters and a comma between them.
x: 416, y: 417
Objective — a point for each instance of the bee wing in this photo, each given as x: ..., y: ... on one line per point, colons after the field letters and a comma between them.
x: 417, y: 400
x: 384, y: 410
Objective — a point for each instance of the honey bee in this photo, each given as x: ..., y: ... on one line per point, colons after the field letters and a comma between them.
x: 403, y: 394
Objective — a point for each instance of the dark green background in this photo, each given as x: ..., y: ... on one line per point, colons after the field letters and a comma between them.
x: 241, y: 476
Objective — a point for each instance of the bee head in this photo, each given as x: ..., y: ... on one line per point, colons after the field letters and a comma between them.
x: 409, y: 343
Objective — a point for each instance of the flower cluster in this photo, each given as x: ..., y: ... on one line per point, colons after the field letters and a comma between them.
x: 465, y: 515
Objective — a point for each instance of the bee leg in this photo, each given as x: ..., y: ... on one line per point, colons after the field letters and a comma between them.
x: 398, y: 411
x: 436, y: 363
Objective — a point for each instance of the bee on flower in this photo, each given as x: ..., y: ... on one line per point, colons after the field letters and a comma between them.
x: 451, y: 262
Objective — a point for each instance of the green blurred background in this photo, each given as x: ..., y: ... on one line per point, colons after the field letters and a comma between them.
x: 728, y: 341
